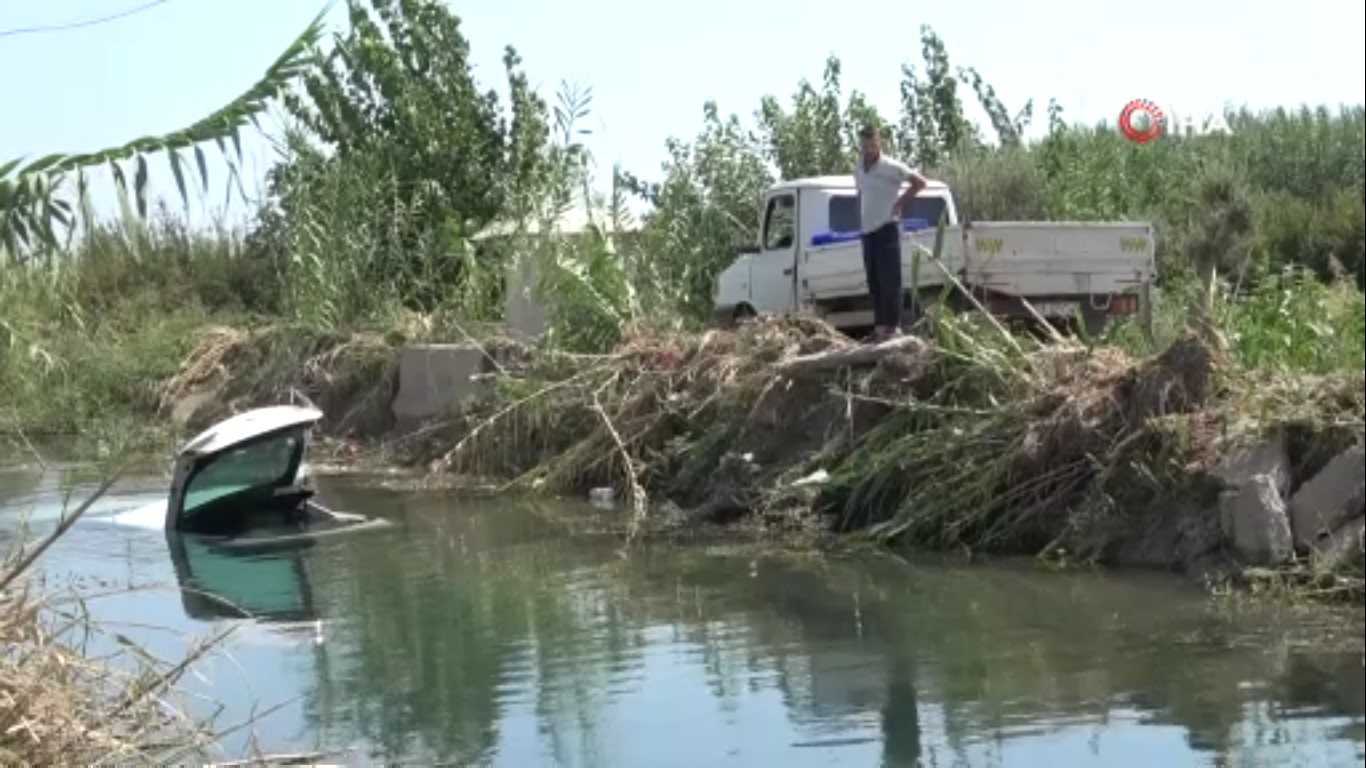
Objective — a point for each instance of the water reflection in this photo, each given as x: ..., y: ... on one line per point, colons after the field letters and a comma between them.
x: 269, y: 586
x: 475, y: 633
x: 544, y: 649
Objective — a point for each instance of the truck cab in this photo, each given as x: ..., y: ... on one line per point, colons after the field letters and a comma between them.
x: 765, y: 277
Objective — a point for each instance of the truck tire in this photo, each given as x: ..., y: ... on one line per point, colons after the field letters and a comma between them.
x: 743, y: 312
x: 1094, y: 322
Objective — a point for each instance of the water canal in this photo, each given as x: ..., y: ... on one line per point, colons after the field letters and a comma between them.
x: 481, y: 632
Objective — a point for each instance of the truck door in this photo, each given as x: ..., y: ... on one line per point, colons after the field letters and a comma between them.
x: 773, y: 273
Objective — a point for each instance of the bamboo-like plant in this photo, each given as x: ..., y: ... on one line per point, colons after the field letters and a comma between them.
x: 33, y: 210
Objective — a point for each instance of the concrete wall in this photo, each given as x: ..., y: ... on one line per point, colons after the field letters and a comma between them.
x: 435, y: 379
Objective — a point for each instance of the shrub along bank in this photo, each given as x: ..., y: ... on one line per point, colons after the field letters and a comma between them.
x: 968, y: 439
x: 965, y: 438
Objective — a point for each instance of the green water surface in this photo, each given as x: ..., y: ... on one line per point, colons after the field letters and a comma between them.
x: 481, y: 633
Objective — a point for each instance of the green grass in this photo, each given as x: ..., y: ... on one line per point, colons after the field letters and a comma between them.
x: 1289, y: 323
x: 1293, y: 323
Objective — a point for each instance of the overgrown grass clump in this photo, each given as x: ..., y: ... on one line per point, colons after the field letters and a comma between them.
x: 967, y: 438
x: 59, y: 704
x: 145, y: 318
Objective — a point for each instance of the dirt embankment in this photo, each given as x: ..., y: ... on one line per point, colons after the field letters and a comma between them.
x: 351, y: 377
x: 972, y: 440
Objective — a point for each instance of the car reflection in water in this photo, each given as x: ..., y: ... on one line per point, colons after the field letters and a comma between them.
x: 269, y: 585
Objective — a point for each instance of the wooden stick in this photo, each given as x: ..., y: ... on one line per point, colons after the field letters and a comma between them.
x: 639, y: 499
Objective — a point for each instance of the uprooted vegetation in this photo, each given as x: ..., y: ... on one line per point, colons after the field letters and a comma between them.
x: 968, y: 438
x: 1007, y: 447
x: 351, y: 377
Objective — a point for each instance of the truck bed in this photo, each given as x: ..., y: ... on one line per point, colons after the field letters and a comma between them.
x: 836, y: 271
x: 1015, y: 259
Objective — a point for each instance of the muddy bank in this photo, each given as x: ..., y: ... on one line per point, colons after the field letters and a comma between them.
x: 971, y: 441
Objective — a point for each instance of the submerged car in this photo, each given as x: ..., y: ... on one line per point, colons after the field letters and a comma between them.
x: 242, y: 484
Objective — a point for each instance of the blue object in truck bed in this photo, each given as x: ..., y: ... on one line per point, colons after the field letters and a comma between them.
x: 829, y: 237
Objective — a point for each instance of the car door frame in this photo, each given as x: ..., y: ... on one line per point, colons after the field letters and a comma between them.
x: 773, y: 270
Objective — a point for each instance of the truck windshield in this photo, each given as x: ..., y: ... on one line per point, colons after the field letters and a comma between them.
x: 845, y: 217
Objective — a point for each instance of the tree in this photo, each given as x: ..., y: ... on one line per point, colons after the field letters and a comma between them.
x: 395, y: 105
x: 1218, y: 239
x: 708, y: 194
x: 34, y: 211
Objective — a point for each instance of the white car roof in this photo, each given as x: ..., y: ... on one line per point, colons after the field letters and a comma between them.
x: 245, y: 426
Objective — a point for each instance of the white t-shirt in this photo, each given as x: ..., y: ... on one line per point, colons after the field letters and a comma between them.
x: 879, y: 187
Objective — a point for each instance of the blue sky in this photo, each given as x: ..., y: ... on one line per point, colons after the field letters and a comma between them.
x: 652, y: 66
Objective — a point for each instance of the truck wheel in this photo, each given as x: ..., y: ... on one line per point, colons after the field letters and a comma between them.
x: 1094, y: 322
x: 744, y: 312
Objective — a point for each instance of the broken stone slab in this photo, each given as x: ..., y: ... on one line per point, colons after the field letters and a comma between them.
x: 1343, y: 551
x: 1268, y: 457
x: 436, y: 379
x: 1327, y: 500
x: 1255, y: 524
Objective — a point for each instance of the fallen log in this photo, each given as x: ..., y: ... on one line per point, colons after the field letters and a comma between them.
x: 853, y: 357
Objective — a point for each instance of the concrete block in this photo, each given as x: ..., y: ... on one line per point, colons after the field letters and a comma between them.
x: 1254, y: 522
x: 435, y: 379
x: 1268, y: 458
x: 1328, y: 499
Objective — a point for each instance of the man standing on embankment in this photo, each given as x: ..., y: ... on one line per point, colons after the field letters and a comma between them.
x: 879, y: 179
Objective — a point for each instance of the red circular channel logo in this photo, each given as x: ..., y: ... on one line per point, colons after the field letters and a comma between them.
x: 1141, y: 121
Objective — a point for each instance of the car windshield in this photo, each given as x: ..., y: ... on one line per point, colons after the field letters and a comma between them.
x: 263, y: 464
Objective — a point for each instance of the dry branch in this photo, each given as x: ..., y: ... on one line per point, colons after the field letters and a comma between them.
x: 60, y: 705
x: 630, y: 470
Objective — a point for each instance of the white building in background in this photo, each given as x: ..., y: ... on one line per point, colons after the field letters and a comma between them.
x: 526, y: 313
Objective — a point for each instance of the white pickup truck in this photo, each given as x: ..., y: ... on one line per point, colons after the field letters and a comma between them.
x: 809, y: 260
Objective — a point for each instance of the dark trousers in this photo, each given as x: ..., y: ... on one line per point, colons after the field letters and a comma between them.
x: 882, y: 265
